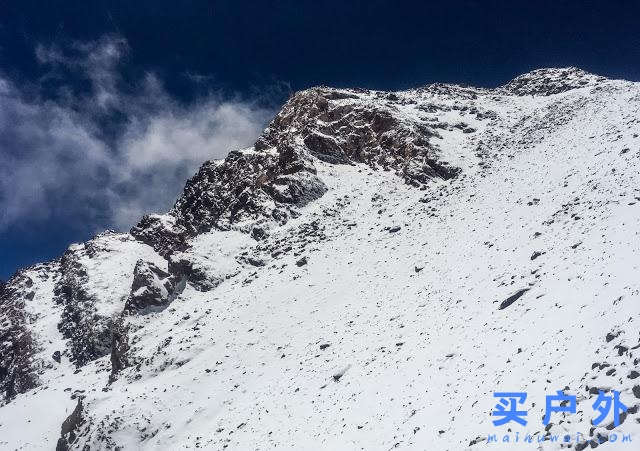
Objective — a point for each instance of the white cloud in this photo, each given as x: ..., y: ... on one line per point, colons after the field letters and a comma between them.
x: 97, y: 60
x: 56, y: 158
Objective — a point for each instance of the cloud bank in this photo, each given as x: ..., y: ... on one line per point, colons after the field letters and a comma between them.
x: 98, y: 150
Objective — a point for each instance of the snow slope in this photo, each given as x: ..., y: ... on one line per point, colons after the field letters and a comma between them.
x: 371, y: 314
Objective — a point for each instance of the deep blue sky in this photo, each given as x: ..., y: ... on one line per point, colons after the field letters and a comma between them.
x: 266, y: 48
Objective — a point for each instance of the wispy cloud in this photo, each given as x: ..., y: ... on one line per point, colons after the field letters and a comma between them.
x: 107, y: 152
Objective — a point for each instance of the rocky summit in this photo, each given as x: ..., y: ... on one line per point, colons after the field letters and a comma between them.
x: 366, y: 276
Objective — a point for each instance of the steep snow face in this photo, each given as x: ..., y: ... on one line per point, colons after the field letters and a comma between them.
x: 383, y: 310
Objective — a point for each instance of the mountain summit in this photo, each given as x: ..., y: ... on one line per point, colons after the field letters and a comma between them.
x: 366, y: 276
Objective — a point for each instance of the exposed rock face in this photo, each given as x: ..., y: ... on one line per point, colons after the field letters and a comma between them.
x: 18, y: 370
x: 89, y: 298
x: 88, y: 332
x: 70, y: 427
x: 119, y: 347
x: 247, y: 186
x: 358, y: 126
x: 160, y: 232
x: 271, y: 180
x: 152, y: 287
x: 69, y: 296
x: 183, y: 269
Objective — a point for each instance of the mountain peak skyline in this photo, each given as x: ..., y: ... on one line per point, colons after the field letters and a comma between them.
x: 142, y: 95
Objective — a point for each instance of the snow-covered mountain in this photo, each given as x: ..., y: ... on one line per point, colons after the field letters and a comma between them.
x: 366, y: 276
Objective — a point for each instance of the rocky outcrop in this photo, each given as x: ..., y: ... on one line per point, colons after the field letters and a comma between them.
x: 91, y: 298
x: 18, y: 369
x: 88, y: 333
x: 151, y: 287
x: 247, y: 186
x: 161, y: 233
x: 359, y: 126
x: 183, y: 270
x: 270, y: 181
x: 119, y: 347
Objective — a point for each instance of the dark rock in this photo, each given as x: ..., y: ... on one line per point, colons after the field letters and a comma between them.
x: 18, y: 369
x: 611, y: 335
x: 255, y: 261
x: 160, y: 232
x: 184, y: 270
x: 513, y: 298
x: 151, y: 287
x: 299, y: 189
x: 325, y: 148
x: 621, y: 349
x: 302, y: 261
x: 339, y: 374
x: 259, y: 233
x: 88, y: 333
x: 70, y: 427
x: 357, y: 132
x: 119, y: 347
x: 244, y: 187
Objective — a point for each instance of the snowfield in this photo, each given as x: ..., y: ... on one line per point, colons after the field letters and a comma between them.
x: 377, y: 315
